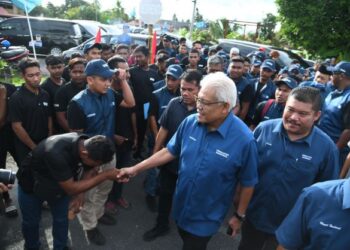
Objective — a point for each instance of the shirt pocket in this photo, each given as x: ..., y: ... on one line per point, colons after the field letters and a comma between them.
x: 300, y: 173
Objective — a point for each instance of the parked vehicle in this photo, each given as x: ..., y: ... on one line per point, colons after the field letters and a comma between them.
x: 52, y: 36
x: 245, y: 47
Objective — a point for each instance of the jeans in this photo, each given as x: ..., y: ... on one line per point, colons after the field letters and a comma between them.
x: 31, y: 206
x: 193, y: 242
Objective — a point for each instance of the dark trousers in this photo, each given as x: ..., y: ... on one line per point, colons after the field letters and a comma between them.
x: 141, y: 131
x: 167, y: 180
x: 193, y: 242
x: 31, y: 206
x: 253, y: 239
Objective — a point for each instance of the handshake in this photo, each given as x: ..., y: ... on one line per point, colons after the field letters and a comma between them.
x: 120, y: 175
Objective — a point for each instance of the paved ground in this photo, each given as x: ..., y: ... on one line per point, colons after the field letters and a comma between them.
x: 127, y: 234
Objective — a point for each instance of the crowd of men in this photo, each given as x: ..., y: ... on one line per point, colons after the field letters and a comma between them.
x: 222, y: 129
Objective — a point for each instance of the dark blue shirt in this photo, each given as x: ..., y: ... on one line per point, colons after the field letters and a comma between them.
x: 285, y: 168
x: 211, y: 163
x: 319, y: 219
x: 158, y: 85
x: 324, y: 89
x: 331, y: 121
x: 160, y: 101
x: 261, y: 93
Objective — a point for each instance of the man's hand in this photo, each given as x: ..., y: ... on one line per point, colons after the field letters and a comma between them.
x: 119, y: 140
x: 3, y: 91
x: 4, y: 188
x: 121, y: 75
x: 235, y: 225
x: 125, y: 174
x: 75, y: 205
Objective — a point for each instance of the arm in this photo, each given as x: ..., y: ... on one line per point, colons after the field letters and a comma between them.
x: 50, y: 126
x: 244, y: 110
x: 62, y: 121
x: 22, y: 135
x: 134, y: 128
x: 128, y: 96
x: 343, y: 139
x: 76, y: 118
x: 3, y: 105
x: 160, y: 139
x: 153, y: 125
x: 345, y: 167
x: 158, y: 159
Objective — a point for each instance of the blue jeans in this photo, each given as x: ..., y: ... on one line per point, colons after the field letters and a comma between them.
x: 31, y: 206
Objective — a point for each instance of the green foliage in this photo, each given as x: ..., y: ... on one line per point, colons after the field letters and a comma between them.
x: 320, y: 26
x: 198, y: 17
x: 268, y: 27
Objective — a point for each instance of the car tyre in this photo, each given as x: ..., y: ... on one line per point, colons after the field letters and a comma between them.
x: 56, y: 51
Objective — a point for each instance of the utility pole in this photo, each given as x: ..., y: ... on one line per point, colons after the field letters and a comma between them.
x: 193, y: 14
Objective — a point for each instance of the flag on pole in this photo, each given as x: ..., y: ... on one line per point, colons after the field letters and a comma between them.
x: 98, y: 36
x: 154, y: 47
x: 26, y: 5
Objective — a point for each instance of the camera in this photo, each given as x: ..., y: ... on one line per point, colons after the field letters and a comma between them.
x: 7, y: 176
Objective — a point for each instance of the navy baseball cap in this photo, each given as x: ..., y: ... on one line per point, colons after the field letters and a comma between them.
x: 175, y: 71
x: 296, y: 69
x: 342, y: 68
x: 269, y: 64
x: 99, y: 67
x: 87, y: 47
x: 290, y: 82
x: 257, y: 63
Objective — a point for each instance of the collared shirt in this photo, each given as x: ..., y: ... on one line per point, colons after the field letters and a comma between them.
x: 65, y: 94
x: 261, y: 93
x: 285, y: 168
x: 160, y: 100
x: 333, y: 113
x: 245, y: 90
x: 319, y: 219
x: 325, y: 89
x: 158, y: 85
x: 211, y: 163
x: 275, y: 110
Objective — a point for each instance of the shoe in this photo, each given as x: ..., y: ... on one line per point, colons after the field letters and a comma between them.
x: 111, y: 208
x: 123, y: 203
x: 10, y: 209
x: 107, y: 219
x: 151, y: 202
x: 95, y: 237
x: 155, y: 232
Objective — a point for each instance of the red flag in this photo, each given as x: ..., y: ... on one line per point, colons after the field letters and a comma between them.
x: 154, y: 47
x: 98, y: 36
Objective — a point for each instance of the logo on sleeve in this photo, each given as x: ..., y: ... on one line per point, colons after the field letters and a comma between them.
x: 45, y: 104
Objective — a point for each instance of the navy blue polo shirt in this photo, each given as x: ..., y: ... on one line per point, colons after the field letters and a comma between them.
x: 332, y: 119
x: 319, y: 219
x: 261, y: 93
x: 158, y: 85
x: 285, y: 168
x: 244, y: 90
x: 211, y: 163
x: 324, y: 89
x: 160, y: 101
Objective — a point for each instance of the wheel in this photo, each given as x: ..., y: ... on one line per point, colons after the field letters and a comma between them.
x: 56, y: 51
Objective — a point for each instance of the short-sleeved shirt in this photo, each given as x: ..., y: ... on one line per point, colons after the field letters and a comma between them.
x: 319, y: 219
x: 285, y: 168
x: 211, y: 164
x: 32, y: 110
x: 261, y: 93
x: 173, y: 115
x: 10, y: 89
x: 245, y: 90
x: 324, y: 89
x: 65, y: 94
x: 273, y: 112
x: 57, y: 158
x: 158, y: 85
x: 51, y: 88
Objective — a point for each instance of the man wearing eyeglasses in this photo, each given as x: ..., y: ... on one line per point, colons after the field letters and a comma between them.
x: 215, y: 150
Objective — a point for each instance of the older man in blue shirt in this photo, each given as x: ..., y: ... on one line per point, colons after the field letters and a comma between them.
x: 293, y: 154
x: 216, y: 150
x: 319, y: 219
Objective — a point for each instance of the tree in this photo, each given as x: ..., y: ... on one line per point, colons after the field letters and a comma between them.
x: 175, y: 19
x: 268, y: 27
x: 198, y: 17
x: 321, y: 26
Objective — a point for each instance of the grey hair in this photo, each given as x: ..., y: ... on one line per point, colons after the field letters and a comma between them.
x: 224, y: 87
x: 215, y: 60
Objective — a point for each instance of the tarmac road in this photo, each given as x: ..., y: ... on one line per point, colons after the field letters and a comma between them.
x: 126, y: 234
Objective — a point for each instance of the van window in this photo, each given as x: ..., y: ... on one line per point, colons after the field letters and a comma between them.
x: 11, y: 25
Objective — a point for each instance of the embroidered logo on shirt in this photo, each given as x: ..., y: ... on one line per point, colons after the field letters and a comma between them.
x: 192, y: 138
x: 306, y: 157
x: 45, y: 104
x: 223, y: 154
x: 268, y: 144
x: 330, y: 225
x: 113, y: 104
x: 151, y: 79
x: 56, y: 105
x: 91, y: 115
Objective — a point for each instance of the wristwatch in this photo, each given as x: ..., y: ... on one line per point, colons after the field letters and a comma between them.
x: 241, y: 218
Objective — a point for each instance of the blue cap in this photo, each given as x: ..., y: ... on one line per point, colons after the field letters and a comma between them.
x: 174, y: 70
x: 257, y: 62
x: 87, y: 47
x: 290, y: 82
x: 296, y: 69
x: 269, y: 64
x: 342, y: 68
x: 99, y: 67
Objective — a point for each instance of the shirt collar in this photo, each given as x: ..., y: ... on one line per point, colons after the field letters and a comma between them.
x: 224, y: 128
x: 280, y: 129
x: 346, y: 194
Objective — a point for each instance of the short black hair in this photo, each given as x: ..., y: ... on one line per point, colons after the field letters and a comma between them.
x: 182, y: 39
x: 105, y: 46
x: 199, y: 42
x: 75, y: 61
x: 308, y: 95
x: 142, y: 49
x: 76, y: 55
x: 195, y: 51
x: 246, y: 59
x: 122, y: 46
x: 192, y: 75
x: 237, y: 59
x: 162, y: 51
x: 100, y: 148
x: 54, y: 60
x: 114, y: 60
x: 27, y: 63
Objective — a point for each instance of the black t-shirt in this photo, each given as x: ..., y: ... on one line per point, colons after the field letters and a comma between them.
x: 142, y: 84
x: 32, y: 110
x: 346, y: 116
x: 77, y: 118
x: 66, y: 75
x: 6, y: 130
x: 160, y: 75
x: 65, y: 94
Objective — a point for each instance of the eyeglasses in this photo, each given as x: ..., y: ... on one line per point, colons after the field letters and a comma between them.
x: 206, y: 103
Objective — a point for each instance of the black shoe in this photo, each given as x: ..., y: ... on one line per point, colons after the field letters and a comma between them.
x: 107, y: 219
x: 151, y: 202
x: 95, y: 237
x: 156, y: 232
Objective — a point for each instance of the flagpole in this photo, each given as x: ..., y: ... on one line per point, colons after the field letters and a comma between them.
x: 30, y: 30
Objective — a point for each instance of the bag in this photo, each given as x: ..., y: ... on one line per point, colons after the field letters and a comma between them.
x: 266, y: 107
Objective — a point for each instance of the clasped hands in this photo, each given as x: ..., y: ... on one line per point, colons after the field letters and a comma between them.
x: 121, y: 175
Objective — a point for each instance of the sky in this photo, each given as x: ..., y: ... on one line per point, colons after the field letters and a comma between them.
x: 241, y: 10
